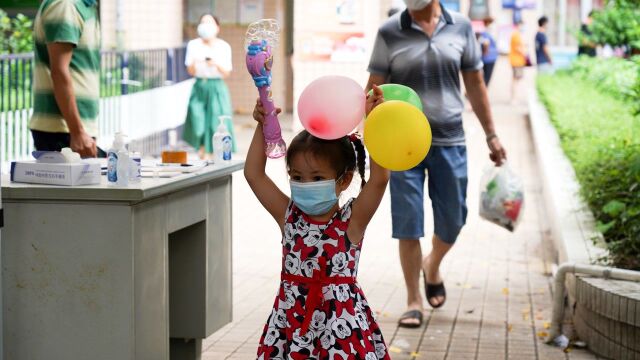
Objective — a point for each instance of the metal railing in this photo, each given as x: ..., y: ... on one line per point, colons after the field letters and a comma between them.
x: 121, y: 73
x: 15, y: 104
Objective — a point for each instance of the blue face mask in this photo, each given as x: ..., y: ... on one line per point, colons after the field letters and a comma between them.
x: 314, y: 198
x: 90, y: 2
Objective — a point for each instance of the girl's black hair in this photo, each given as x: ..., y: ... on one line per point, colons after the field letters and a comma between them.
x: 343, y: 154
x: 215, y: 18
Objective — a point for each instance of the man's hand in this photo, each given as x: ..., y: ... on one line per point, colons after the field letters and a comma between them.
x: 498, y: 155
x: 83, y: 144
x: 375, y: 99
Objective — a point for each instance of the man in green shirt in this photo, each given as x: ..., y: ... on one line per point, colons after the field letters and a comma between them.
x: 66, y: 76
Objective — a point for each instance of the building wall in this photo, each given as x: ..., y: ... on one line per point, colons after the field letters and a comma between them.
x: 243, y: 91
x: 317, y: 26
x: 148, y: 24
x: 503, y: 23
x: 153, y: 24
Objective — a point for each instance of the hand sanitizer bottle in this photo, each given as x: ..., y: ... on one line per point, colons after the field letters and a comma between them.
x: 222, y: 143
x: 135, y: 174
x: 123, y: 168
x: 112, y: 158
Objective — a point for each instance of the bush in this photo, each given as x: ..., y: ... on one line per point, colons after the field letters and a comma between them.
x: 618, y: 24
x: 16, y: 35
x: 601, y: 137
x: 614, y: 76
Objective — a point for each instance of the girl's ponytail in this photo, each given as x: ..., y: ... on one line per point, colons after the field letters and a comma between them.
x: 360, y: 156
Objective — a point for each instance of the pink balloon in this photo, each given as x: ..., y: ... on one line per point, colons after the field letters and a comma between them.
x: 331, y: 106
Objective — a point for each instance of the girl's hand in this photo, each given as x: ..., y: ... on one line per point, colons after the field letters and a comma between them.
x: 373, y: 100
x: 259, y: 113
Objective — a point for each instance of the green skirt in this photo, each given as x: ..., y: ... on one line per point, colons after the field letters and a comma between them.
x: 209, y: 99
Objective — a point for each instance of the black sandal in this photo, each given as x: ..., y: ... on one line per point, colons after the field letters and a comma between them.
x: 435, y: 290
x: 411, y: 314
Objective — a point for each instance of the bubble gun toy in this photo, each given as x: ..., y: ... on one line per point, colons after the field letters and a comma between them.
x: 261, y: 38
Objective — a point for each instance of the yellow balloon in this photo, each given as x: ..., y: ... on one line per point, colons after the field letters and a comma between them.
x: 397, y: 135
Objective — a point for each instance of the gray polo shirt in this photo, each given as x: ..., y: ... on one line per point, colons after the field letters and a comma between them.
x: 405, y: 55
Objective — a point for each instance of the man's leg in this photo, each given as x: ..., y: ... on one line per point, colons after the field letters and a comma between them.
x: 518, y: 73
x: 487, y: 71
x: 407, y: 195
x: 447, y: 169
x: 411, y: 261
x: 431, y: 265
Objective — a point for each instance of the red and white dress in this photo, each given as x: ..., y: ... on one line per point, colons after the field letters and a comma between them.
x: 320, y: 311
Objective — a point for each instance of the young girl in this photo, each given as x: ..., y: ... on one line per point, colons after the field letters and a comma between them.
x: 320, y: 311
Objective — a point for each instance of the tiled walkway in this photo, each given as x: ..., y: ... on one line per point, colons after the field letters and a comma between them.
x: 498, y: 284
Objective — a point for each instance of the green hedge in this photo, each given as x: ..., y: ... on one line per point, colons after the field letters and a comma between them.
x: 601, y: 137
x: 617, y: 77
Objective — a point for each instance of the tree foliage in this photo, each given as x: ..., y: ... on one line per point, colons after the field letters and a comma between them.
x: 16, y: 34
x: 618, y: 24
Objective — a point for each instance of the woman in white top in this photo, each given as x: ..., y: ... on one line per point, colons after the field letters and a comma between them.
x: 208, y: 59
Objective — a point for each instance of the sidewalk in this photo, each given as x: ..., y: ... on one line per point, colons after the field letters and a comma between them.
x: 498, y: 284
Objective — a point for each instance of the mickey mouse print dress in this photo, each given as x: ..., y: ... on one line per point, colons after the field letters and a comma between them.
x: 320, y: 311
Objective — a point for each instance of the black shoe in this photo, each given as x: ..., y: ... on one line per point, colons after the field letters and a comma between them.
x: 433, y: 291
x: 411, y: 314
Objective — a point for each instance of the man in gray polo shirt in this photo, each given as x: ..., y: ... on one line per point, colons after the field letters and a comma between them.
x: 426, y: 47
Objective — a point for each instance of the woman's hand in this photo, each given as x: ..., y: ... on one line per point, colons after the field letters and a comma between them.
x: 373, y: 100
x: 259, y: 113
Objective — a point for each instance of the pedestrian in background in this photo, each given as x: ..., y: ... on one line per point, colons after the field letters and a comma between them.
x: 66, y: 76
x: 587, y: 47
x: 517, y: 58
x: 489, y: 50
x: 544, y: 60
x: 208, y: 59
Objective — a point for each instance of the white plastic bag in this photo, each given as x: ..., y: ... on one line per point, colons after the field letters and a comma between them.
x: 501, y: 196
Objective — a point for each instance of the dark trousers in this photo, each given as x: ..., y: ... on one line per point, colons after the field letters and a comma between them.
x: 47, y: 141
x: 488, y: 70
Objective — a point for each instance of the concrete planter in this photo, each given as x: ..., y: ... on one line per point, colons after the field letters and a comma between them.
x: 607, y: 316
x: 606, y: 313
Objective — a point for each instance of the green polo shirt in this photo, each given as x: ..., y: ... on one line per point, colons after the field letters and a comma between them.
x: 73, y: 22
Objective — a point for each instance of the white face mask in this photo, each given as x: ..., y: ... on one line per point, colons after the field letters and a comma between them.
x: 417, y: 4
x: 207, y: 30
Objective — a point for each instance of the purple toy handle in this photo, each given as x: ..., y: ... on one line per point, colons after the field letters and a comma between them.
x: 271, y: 127
x: 259, y: 61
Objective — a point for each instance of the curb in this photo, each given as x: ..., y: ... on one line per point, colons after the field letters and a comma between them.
x: 571, y: 223
x: 606, y: 313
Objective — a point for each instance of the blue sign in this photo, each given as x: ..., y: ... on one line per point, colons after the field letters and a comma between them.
x: 453, y: 5
x: 518, y: 4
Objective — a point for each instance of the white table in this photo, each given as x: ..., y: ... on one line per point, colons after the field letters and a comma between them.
x: 97, y: 272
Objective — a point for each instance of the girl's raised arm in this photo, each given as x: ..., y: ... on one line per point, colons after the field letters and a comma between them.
x: 369, y: 199
x: 269, y: 195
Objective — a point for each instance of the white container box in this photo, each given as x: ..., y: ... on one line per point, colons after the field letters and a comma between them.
x: 69, y: 174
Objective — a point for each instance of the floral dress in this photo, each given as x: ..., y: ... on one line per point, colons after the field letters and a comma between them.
x: 320, y: 311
